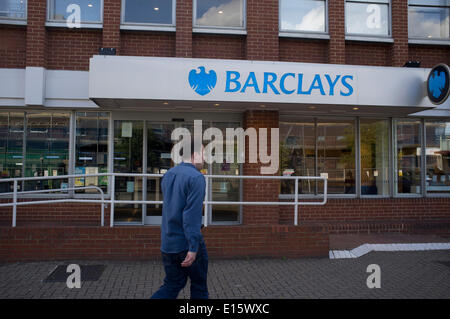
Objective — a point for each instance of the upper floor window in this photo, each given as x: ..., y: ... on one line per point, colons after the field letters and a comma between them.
x: 148, y: 12
x: 429, y: 19
x: 219, y: 13
x: 87, y: 11
x: 367, y: 18
x: 13, y: 9
x: 303, y: 15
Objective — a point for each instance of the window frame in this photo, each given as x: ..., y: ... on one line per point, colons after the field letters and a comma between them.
x: 16, y: 21
x: 147, y: 26
x: 426, y: 193
x: 217, y: 29
x: 304, y: 34
x: 369, y: 37
x: 424, y: 40
x: 83, y: 24
x: 394, y: 165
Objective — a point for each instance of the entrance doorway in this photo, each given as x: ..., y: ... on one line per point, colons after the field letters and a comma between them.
x: 144, y: 147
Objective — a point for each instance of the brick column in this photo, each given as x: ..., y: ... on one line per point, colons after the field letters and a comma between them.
x: 36, y: 33
x: 259, y: 190
x: 183, y: 42
x: 399, y: 49
x: 111, y: 24
x: 262, y: 30
x: 336, y: 26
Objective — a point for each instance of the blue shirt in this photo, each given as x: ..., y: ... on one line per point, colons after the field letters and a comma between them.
x: 183, y: 188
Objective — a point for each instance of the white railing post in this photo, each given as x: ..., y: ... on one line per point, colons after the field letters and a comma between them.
x: 206, y: 200
x: 111, y: 209
x: 296, y: 203
x: 14, y: 204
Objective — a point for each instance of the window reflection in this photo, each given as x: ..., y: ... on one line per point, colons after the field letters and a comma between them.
x: 306, y: 15
x: 90, y: 10
x: 367, y: 17
x: 374, y: 148
x: 429, y: 19
x: 336, y: 155
x: 13, y: 9
x: 11, y: 146
x: 438, y: 156
x: 220, y: 13
x: 154, y: 12
x: 91, y: 149
x: 47, y: 149
x: 407, y: 154
x: 335, y: 149
x: 297, y: 152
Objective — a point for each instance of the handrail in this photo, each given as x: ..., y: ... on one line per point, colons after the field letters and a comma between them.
x: 36, y: 202
x: 113, y: 201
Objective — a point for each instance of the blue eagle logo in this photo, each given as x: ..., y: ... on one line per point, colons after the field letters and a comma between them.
x: 201, y: 82
x: 436, y: 84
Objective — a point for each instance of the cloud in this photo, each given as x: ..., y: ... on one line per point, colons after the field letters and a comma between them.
x: 419, y: 27
x: 231, y: 16
x: 314, y: 20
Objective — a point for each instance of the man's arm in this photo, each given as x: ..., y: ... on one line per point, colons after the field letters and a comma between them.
x: 192, y: 217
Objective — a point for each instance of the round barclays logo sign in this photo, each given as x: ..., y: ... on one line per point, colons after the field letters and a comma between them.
x: 438, y: 84
x: 202, y: 82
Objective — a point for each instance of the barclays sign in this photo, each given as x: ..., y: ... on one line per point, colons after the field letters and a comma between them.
x: 203, y: 82
x: 286, y: 85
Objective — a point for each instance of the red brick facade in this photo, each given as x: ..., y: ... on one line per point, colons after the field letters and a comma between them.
x: 56, y: 48
x: 131, y: 242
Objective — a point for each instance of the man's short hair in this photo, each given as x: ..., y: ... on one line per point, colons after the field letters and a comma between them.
x: 192, y: 149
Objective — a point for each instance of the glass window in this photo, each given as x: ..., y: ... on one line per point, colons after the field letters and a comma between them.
x: 367, y: 17
x: 407, y: 156
x: 91, y: 149
x: 336, y: 155
x: 438, y: 156
x: 11, y: 147
x: 335, y: 149
x: 150, y: 12
x: 429, y: 19
x: 374, y: 148
x: 128, y: 158
x: 47, y: 148
x: 219, y: 13
x: 303, y: 15
x: 90, y: 10
x: 298, y: 155
x: 13, y: 9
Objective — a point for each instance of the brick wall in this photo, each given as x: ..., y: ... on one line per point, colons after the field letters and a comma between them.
x: 302, y: 50
x: 259, y: 190
x: 363, y: 53
x: 429, y: 55
x: 131, y: 242
x: 70, y: 49
x: 145, y: 43
x: 13, y: 44
x: 218, y: 46
x: 357, y: 210
x: 262, y: 30
x: 55, y: 214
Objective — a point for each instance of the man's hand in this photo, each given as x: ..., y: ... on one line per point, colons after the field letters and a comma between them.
x: 190, y: 258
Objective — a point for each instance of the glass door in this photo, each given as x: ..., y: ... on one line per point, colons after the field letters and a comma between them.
x: 159, y: 145
x: 128, y: 158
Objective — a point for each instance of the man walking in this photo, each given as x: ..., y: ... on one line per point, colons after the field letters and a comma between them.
x: 183, y: 249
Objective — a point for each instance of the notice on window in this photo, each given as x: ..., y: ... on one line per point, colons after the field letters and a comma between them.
x: 127, y: 129
x: 130, y: 187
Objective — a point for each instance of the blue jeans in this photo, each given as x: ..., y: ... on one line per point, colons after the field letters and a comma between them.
x: 176, y: 276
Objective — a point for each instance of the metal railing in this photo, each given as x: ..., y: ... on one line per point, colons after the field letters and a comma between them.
x: 112, y: 201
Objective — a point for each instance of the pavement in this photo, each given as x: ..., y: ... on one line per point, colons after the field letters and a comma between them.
x: 418, y: 274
